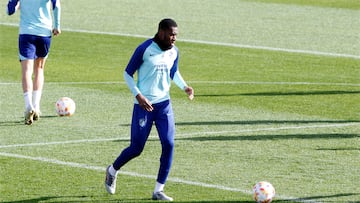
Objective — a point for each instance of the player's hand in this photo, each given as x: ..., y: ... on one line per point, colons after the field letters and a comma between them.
x: 56, y: 32
x: 17, y: 7
x: 144, y: 103
x: 190, y: 92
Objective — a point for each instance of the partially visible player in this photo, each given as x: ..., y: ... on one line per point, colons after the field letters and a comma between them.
x: 156, y: 64
x: 37, y: 25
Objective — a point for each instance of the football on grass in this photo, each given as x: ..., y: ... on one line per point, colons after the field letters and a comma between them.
x: 264, y: 192
x: 65, y: 106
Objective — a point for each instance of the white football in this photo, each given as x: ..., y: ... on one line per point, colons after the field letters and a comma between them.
x: 65, y: 106
x: 263, y: 192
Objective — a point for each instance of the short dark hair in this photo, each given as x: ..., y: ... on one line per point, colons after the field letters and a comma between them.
x: 167, y: 23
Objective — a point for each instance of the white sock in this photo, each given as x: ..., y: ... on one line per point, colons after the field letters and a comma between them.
x: 112, y: 171
x: 159, y: 187
x: 28, y: 101
x: 36, y: 99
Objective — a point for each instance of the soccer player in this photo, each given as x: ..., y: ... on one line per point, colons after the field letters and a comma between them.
x: 156, y: 62
x: 37, y: 24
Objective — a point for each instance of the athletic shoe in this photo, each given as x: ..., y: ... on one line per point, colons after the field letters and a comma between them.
x: 161, y: 196
x: 37, y: 115
x: 110, y: 182
x: 29, y: 117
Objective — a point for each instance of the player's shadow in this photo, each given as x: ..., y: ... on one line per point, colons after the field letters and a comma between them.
x: 322, y: 197
x: 279, y: 93
x: 258, y: 122
x: 21, y: 121
x: 11, y: 123
x: 70, y: 199
x: 86, y: 199
x: 340, y: 149
x: 299, y: 93
x: 49, y: 116
x: 271, y: 137
x: 215, y: 201
x: 264, y: 122
x: 34, y: 200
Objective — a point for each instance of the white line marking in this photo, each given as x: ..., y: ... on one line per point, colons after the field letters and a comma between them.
x: 274, y: 129
x: 276, y: 83
x: 202, y: 82
x: 228, y: 44
x: 62, y: 142
x: 216, y: 43
x: 185, y: 134
x: 299, y: 51
x: 102, y: 169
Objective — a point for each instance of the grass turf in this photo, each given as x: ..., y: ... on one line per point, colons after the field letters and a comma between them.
x: 288, y: 118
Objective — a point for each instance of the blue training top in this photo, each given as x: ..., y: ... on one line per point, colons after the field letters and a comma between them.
x: 36, y: 16
x: 155, y: 68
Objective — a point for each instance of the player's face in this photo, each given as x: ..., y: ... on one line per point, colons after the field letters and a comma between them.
x: 169, y: 36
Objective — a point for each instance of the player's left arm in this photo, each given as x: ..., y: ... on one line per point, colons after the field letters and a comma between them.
x: 57, y: 16
x: 12, y: 6
x: 179, y: 81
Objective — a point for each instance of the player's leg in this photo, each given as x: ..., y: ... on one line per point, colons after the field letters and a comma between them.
x: 27, y: 69
x: 38, y: 84
x: 27, y: 55
x: 165, y: 125
x: 140, y: 129
x: 27, y: 85
x: 42, y: 51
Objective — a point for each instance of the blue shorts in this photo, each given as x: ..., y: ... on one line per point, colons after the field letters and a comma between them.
x: 32, y: 46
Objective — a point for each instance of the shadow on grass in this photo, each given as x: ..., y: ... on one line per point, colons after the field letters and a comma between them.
x: 260, y: 122
x: 91, y: 198
x: 322, y: 197
x: 48, y: 116
x: 86, y: 199
x: 11, y: 123
x: 340, y: 149
x: 299, y: 93
x: 265, y: 122
x: 33, y: 200
x: 21, y: 121
x: 271, y: 137
x: 95, y: 199
x: 58, y: 199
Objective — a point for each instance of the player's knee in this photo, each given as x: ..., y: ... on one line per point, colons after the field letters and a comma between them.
x: 136, y: 150
x: 168, y: 145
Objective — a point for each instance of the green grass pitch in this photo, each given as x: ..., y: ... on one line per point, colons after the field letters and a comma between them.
x: 277, y: 94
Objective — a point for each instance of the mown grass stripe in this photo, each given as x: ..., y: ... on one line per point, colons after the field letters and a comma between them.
x: 339, y: 125
x: 299, y: 51
x: 203, y: 82
x: 177, y: 180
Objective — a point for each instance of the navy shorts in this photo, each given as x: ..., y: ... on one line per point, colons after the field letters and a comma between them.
x: 32, y: 46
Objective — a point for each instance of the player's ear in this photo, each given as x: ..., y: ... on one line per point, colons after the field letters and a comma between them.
x: 161, y: 34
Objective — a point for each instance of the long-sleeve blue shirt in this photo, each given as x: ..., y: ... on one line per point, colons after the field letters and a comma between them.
x: 155, y: 68
x: 36, y: 16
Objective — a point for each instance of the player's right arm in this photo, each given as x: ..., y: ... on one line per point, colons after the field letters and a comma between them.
x: 12, y: 6
x: 134, y: 64
x: 57, y: 14
x: 142, y: 101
